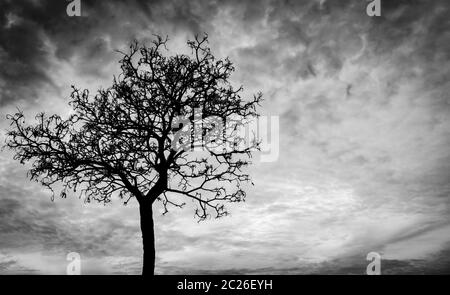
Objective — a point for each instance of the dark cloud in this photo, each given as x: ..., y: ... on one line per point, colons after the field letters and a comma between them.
x: 438, y: 264
x: 30, y: 221
x: 4, y: 265
x: 34, y: 32
x: 298, y: 53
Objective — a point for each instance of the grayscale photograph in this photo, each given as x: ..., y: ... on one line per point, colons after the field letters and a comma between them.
x: 224, y: 138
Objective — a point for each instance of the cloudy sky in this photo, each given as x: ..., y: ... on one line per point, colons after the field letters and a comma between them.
x: 364, y: 161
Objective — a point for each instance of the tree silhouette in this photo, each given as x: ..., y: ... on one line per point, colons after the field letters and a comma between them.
x: 170, y: 126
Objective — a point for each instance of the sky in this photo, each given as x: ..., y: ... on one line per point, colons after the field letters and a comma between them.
x: 364, y: 135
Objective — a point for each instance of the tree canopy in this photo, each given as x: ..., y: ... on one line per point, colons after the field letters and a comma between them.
x: 140, y: 137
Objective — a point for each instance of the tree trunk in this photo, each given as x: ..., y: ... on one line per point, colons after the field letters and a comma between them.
x: 148, y: 238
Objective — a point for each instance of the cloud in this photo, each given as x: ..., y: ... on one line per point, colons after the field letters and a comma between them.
x: 364, y: 135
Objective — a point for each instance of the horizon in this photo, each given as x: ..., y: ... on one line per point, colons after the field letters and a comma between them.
x: 363, y: 161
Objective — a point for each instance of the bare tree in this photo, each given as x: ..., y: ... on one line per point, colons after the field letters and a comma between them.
x: 140, y: 137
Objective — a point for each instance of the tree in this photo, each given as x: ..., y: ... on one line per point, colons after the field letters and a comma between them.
x: 170, y: 126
